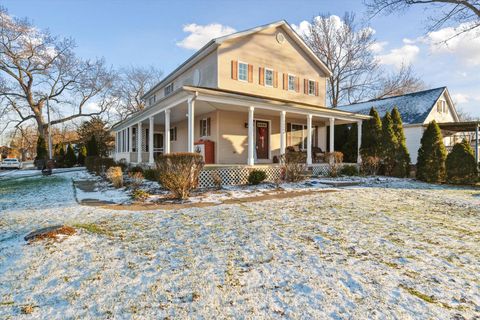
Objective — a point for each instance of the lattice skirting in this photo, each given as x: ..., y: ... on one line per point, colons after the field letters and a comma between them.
x: 232, y: 176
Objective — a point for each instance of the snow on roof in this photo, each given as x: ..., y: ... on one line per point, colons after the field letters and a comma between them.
x: 413, y: 107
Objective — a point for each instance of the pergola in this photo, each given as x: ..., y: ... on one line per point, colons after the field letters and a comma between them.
x: 464, y: 126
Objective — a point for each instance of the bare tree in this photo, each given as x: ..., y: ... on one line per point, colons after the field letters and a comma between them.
x: 133, y: 83
x: 346, y: 50
x: 36, y: 66
x: 24, y: 140
x: 398, y: 83
x: 465, y: 12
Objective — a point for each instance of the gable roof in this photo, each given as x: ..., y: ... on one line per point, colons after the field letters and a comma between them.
x: 413, y: 107
x: 216, y: 42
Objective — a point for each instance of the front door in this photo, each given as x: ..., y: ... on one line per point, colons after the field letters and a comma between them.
x: 157, y: 144
x: 262, y: 139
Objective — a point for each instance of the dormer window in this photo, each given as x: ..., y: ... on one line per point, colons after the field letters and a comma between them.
x: 242, y: 71
x: 168, y: 89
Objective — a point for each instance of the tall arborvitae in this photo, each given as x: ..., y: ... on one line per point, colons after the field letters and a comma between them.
x: 431, y: 155
x: 42, y: 152
x: 402, y: 167
x: 92, y: 146
x: 82, y: 154
x: 460, y: 164
x: 388, y: 144
x: 371, y: 135
x: 70, y: 158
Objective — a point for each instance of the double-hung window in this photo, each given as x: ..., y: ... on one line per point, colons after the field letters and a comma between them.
x: 173, y: 134
x: 205, y: 127
x: 268, y: 77
x: 291, y: 82
x: 168, y: 89
x: 311, y: 87
x: 242, y: 71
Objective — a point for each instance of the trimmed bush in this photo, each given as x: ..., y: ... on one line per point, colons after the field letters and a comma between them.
x: 42, y: 153
x: 389, y: 144
x: 90, y: 162
x: 82, y: 154
x: 460, y: 164
x: 294, y: 166
x: 349, y: 170
x: 151, y: 174
x: 431, y: 155
x: 140, y: 195
x: 370, y: 165
x: 179, y: 172
x: 402, y: 164
x: 256, y: 177
x: 115, y: 176
x: 70, y: 158
x: 135, y: 169
x: 101, y: 165
x: 371, y: 136
x: 335, y: 160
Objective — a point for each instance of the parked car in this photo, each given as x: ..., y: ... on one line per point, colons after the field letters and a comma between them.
x: 11, y: 163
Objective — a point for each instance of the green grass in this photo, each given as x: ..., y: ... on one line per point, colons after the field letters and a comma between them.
x: 418, y: 294
x: 92, y: 228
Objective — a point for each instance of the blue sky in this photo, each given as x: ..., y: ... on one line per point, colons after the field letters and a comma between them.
x: 147, y: 32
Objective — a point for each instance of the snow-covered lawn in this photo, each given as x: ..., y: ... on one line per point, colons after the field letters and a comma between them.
x: 387, y: 249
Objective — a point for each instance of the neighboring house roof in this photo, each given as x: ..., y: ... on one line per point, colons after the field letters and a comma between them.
x: 214, y: 43
x: 413, y: 107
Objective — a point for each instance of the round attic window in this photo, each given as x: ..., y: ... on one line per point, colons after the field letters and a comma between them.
x: 280, y: 38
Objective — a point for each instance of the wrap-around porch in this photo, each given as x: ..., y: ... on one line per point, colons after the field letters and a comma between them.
x: 240, y: 129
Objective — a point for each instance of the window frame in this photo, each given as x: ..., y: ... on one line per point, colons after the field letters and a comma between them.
x: 204, y: 127
x: 246, y: 71
x: 173, y: 133
x: 168, y: 89
x: 294, y: 77
x: 265, y: 77
x: 310, y: 81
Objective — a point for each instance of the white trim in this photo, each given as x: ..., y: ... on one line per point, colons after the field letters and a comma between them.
x: 265, y: 77
x: 238, y: 71
x: 269, y: 139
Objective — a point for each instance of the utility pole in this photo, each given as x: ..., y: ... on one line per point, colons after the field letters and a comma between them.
x: 49, y: 132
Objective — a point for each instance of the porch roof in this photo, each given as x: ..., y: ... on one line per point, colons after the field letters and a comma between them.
x: 184, y: 93
x: 464, y: 126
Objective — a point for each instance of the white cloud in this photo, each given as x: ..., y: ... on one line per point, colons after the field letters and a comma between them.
x: 398, y: 56
x: 200, y: 35
x: 378, y: 46
x: 460, y: 98
x: 464, y: 47
x: 303, y: 27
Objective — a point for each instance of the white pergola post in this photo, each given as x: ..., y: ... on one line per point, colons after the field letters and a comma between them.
x: 250, y: 159
x: 282, y: 132
x: 309, y: 139
x: 191, y: 126
x: 166, y: 143
x: 332, y: 134
x: 150, y: 141
x: 139, y: 143
x: 359, y: 141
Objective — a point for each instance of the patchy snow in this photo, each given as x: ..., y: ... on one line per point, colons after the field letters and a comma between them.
x: 391, y: 248
x: 413, y: 107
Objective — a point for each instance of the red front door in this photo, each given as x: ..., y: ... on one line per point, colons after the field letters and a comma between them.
x: 262, y: 139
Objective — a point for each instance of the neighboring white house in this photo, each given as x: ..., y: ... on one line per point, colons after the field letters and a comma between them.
x: 417, y: 109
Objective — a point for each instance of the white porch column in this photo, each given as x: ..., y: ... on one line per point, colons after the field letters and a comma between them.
x: 250, y: 159
x: 309, y: 139
x: 130, y: 144
x: 166, y: 143
x: 282, y: 132
x: 359, y: 141
x: 150, y: 141
x: 191, y: 126
x: 139, y: 143
x: 332, y: 135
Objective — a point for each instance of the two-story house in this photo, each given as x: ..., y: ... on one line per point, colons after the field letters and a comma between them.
x: 250, y: 95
